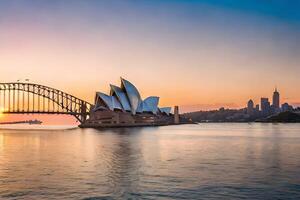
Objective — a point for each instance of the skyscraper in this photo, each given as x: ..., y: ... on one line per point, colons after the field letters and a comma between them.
x: 250, y: 107
x: 276, y: 99
x: 265, y: 106
x: 286, y: 107
x: 257, y: 108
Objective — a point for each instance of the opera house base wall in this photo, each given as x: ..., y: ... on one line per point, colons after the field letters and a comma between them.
x: 112, y: 119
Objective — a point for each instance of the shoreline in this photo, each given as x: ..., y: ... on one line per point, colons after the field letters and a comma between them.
x: 100, y: 126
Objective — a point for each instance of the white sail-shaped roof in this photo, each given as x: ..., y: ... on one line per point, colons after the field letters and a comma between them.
x: 116, y: 103
x: 140, y: 108
x: 150, y: 104
x: 132, y: 94
x: 120, y: 94
x: 166, y: 110
x: 99, y: 103
x: 106, y: 99
x: 127, y: 98
x: 110, y: 102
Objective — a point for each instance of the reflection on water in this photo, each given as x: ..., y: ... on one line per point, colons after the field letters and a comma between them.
x: 225, y: 161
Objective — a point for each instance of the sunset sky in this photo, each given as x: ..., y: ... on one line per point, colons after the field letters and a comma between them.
x: 196, y: 54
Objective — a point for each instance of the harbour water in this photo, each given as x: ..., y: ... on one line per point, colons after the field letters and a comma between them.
x: 206, y: 161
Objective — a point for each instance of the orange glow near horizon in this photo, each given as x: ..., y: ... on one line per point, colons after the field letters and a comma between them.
x: 45, y: 118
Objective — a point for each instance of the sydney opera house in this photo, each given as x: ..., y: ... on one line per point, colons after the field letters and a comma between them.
x: 125, y: 107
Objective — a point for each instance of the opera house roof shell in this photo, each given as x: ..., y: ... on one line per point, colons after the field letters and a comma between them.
x: 128, y: 99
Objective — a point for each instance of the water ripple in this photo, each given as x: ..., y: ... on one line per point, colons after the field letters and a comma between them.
x: 211, y: 161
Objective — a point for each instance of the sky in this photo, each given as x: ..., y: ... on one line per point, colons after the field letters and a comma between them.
x: 199, y: 55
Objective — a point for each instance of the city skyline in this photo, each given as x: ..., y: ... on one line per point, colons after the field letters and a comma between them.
x: 199, y: 55
x: 266, y: 107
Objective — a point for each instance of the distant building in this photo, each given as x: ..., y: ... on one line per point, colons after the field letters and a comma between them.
x: 257, y: 108
x: 286, y: 107
x: 176, y: 115
x: 265, y: 106
x: 276, y: 101
x: 250, y: 107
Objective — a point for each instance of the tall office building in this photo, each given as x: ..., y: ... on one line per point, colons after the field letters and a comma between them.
x: 276, y: 99
x: 250, y: 107
x: 265, y: 106
x: 257, y: 108
x: 286, y: 107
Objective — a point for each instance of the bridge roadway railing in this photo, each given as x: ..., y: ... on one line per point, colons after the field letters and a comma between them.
x: 30, y: 98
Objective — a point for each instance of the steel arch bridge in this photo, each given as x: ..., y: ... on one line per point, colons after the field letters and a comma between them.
x: 30, y: 98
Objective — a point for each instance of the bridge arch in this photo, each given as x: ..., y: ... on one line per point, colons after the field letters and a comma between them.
x: 31, y: 98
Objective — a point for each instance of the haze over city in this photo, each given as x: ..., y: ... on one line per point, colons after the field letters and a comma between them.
x: 198, y: 54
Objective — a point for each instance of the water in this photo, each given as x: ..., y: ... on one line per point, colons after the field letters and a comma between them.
x: 207, y: 161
